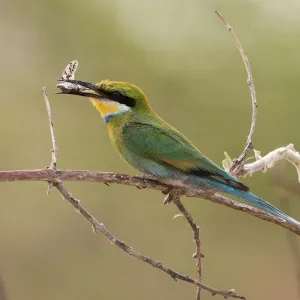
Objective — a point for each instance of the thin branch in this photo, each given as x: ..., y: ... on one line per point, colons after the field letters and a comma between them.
x: 54, y: 148
x: 140, y: 182
x: 196, y: 237
x: 237, y: 163
x: 99, y: 227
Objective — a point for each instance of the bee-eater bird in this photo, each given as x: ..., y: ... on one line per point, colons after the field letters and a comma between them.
x: 154, y: 147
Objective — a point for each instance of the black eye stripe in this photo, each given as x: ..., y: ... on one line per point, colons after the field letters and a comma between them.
x: 122, y: 99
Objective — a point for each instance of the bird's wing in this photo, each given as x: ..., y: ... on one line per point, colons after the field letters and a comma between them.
x: 167, y: 146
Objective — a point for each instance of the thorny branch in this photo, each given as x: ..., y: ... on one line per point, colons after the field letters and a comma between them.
x: 238, y: 163
x: 99, y: 227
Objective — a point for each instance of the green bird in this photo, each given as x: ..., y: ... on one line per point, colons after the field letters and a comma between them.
x: 154, y: 147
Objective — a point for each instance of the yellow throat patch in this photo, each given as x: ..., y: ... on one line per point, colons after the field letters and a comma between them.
x: 108, y: 109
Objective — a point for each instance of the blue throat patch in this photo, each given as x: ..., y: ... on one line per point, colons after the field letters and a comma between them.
x: 108, y: 117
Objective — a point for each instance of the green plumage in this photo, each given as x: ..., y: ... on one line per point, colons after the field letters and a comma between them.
x: 152, y: 146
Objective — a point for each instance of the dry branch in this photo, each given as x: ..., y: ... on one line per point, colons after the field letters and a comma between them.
x: 140, y: 182
x: 196, y: 230
x: 54, y: 148
x: 238, y: 163
x: 100, y: 227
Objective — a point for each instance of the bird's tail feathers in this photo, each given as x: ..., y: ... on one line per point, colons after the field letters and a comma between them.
x: 254, y: 200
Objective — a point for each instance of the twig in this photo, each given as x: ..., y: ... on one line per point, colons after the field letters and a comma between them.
x: 99, y: 227
x: 140, y: 182
x: 196, y: 230
x: 237, y: 163
x: 54, y: 148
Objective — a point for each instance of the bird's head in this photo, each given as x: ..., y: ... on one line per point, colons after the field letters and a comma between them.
x: 111, y: 98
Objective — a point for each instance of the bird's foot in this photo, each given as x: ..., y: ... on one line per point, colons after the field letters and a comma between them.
x: 145, y: 180
x: 142, y: 184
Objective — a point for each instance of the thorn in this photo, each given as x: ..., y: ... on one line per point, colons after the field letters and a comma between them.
x: 94, y: 229
x: 178, y: 215
x: 50, y: 186
x: 171, y: 197
x: 195, y: 255
x: 168, y: 199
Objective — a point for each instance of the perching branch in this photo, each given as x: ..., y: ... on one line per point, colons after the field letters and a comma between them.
x: 99, y: 227
x: 238, y: 163
x: 140, y: 182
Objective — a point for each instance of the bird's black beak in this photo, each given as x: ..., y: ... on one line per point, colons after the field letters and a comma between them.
x: 80, y: 88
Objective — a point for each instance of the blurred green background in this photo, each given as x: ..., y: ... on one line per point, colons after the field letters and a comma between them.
x: 180, y: 54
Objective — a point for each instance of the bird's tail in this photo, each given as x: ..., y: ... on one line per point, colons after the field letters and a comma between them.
x: 254, y: 200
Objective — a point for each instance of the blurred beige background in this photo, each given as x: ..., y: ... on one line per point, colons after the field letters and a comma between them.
x: 182, y: 57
